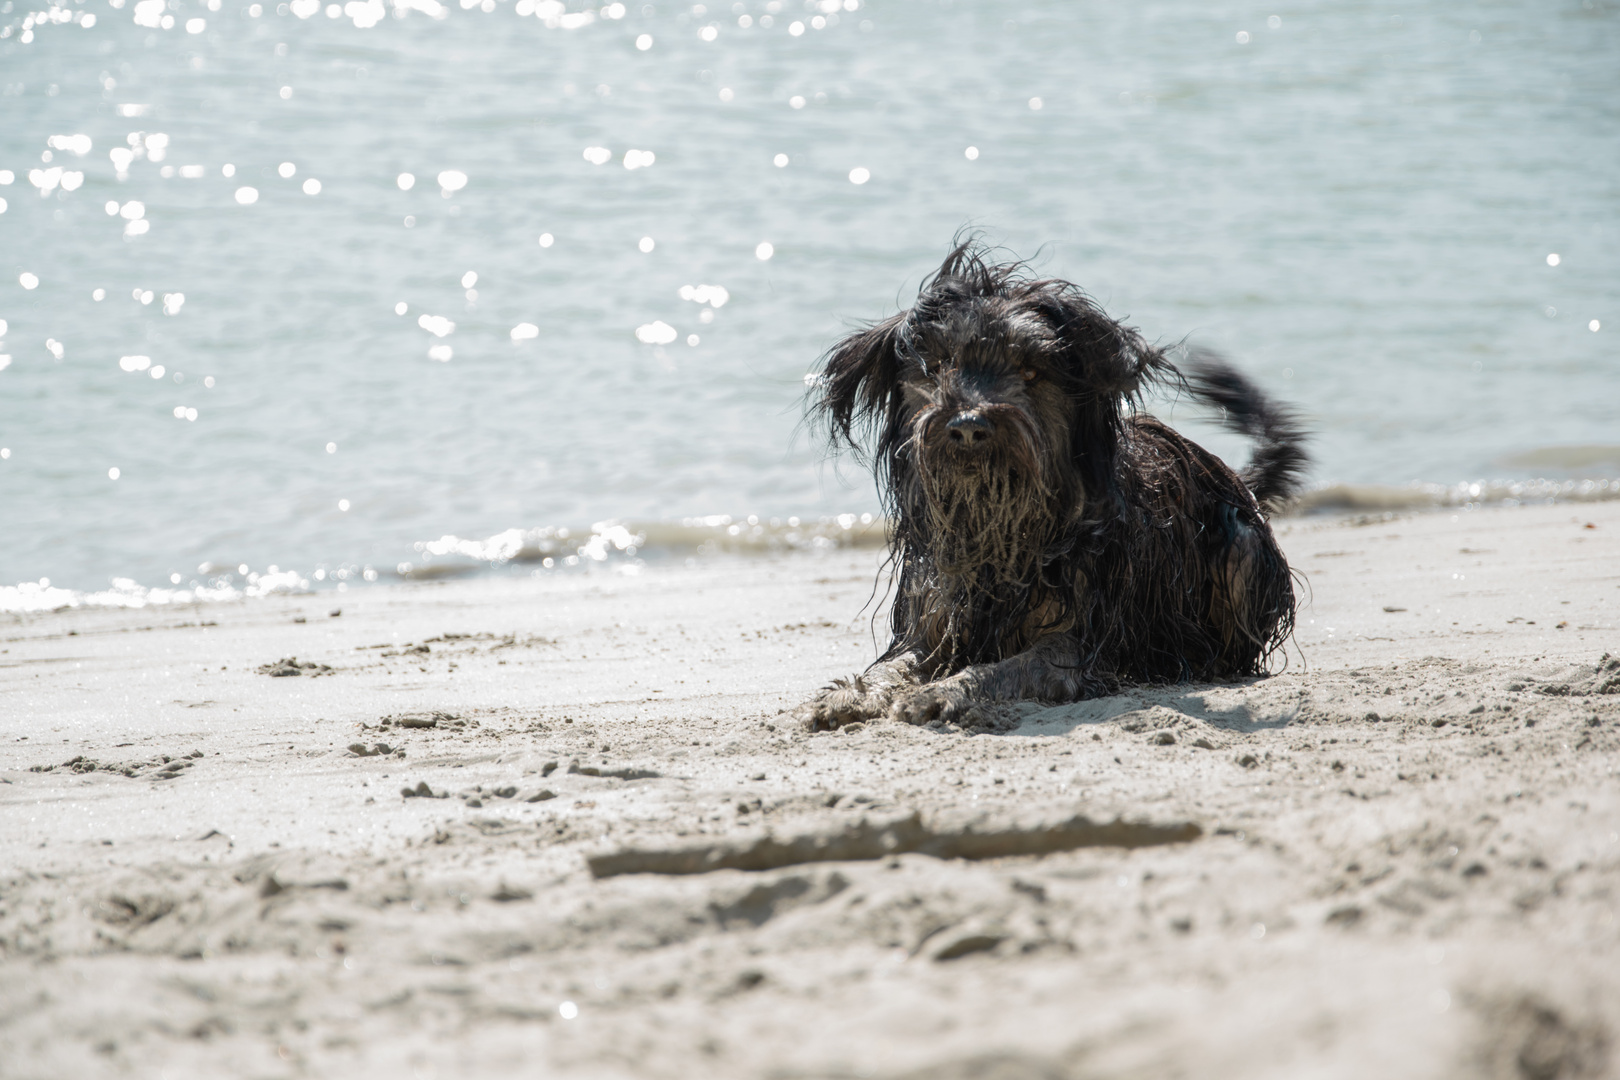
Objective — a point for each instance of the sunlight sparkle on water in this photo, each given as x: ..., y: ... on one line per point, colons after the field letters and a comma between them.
x: 644, y: 42
x: 971, y: 153
x: 469, y: 279
x: 452, y: 181
x: 441, y: 353
x: 405, y: 181
x: 859, y: 175
x: 657, y: 332
x: 639, y: 159
x: 525, y: 331
x: 546, y: 239
x: 598, y: 155
x: 1553, y: 260
x: 646, y: 244
x: 312, y: 186
x: 780, y: 161
x: 74, y: 144
x: 27, y: 280
x: 247, y: 196
x: 401, y: 308
x: 713, y: 295
x: 112, y: 473
x: 437, y: 325
x: 764, y: 251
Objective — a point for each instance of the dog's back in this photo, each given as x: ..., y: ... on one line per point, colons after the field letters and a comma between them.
x: 1186, y: 579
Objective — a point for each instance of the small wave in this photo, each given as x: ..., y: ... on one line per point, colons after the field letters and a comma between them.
x: 620, y: 546
x: 39, y: 596
x: 1420, y: 496
x: 627, y: 542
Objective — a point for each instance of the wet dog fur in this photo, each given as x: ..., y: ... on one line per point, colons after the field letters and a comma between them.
x: 1050, y: 543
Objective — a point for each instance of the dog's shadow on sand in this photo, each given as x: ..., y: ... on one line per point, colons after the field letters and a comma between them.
x: 1154, y: 708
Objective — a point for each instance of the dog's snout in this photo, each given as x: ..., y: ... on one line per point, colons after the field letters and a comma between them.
x: 969, y: 429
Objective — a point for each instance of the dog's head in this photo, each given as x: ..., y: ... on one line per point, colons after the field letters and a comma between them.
x: 994, y: 395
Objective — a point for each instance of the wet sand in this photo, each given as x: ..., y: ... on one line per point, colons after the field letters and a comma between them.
x: 1399, y: 857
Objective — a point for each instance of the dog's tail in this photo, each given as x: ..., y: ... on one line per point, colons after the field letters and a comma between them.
x: 1277, y: 470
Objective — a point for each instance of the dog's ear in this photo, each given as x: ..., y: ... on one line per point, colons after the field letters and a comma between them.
x: 859, y: 382
x: 1103, y: 359
x: 1105, y: 364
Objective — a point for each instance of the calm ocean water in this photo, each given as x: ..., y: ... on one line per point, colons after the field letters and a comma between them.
x: 219, y: 286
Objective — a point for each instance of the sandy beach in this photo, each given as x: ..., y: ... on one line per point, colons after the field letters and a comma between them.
x: 1399, y: 857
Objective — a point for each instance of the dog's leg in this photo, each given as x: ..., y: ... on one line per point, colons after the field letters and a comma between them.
x: 859, y: 697
x: 982, y: 696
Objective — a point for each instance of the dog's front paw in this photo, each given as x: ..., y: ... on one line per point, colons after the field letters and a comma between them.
x: 846, y: 701
x: 950, y: 705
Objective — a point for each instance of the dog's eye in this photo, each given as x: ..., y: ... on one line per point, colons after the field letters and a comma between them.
x: 1029, y: 374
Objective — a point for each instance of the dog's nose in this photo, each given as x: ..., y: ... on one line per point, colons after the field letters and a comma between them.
x: 969, y: 428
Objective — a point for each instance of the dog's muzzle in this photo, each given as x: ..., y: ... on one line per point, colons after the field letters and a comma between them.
x: 969, y: 429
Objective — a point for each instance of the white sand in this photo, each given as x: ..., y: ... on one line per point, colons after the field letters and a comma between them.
x: 1429, y: 893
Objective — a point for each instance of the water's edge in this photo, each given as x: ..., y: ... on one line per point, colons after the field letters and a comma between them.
x: 625, y: 547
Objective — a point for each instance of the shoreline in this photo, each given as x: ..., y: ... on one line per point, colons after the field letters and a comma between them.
x: 1405, y: 862
x: 629, y: 545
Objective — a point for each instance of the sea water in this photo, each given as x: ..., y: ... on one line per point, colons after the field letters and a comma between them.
x: 296, y: 294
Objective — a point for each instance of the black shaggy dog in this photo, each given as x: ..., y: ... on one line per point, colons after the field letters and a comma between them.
x: 1049, y: 543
